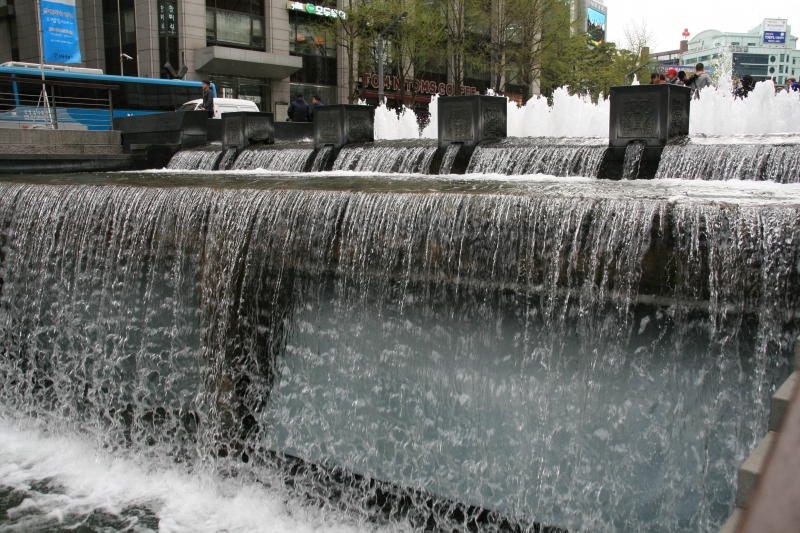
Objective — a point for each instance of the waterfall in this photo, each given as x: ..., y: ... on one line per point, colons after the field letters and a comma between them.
x: 205, y: 159
x: 569, y: 357
x: 403, y: 157
x: 227, y: 160
x: 553, y: 156
x: 744, y: 157
x: 321, y: 159
x: 633, y: 158
x: 277, y: 158
x: 449, y: 158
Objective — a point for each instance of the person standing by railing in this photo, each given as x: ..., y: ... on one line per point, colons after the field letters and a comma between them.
x: 208, y: 99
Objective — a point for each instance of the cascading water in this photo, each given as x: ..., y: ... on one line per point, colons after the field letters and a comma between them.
x: 283, y: 158
x: 227, y: 160
x: 387, y: 156
x: 321, y: 159
x: 633, y: 159
x: 552, y: 156
x: 449, y: 158
x: 196, y: 159
x: 741, y: 157
x: 590, y: 356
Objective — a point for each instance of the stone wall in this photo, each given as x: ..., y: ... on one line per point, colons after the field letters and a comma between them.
x: 30, y: 141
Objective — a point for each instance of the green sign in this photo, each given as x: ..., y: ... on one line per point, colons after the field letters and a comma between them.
x: 316, y: 10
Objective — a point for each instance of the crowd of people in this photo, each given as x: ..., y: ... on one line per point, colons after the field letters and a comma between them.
x: 700, y: 80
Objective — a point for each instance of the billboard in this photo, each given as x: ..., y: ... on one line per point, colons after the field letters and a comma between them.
x: 60, y: 32
x: 774, y: 31
x: 596, y: 26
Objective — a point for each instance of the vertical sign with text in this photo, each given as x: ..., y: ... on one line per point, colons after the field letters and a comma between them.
x: 167, y: 18
x: 60, y: 40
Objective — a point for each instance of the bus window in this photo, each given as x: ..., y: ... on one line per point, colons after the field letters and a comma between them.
x: 81, y: 97
x: 7, y: 99
x: 29, y: 91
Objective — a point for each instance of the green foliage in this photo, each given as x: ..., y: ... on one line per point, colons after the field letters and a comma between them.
x: 518, y: 46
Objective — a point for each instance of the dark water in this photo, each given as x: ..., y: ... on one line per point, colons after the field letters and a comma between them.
x: 405, y: 352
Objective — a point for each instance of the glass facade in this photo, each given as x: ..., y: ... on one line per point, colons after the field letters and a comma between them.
x: 256, y: 90
x: 235, y: 24
x: 313, y: 39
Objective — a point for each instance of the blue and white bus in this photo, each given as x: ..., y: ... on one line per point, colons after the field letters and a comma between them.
x: 75, y: 104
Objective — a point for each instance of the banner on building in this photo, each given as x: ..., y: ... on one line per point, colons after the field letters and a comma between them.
x: 775, y: 31
x: 60, y: 40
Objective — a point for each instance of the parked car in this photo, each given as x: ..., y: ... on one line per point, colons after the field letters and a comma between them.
x: 222, y: 105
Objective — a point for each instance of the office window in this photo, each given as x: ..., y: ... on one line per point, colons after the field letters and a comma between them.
x: 235, y: 23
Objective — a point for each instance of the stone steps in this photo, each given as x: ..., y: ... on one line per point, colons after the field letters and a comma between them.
x: 750, y: 471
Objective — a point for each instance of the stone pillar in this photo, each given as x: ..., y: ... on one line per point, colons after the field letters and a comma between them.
x: 147, y: 38
x: 193, y: 16
x: 468, y: 120
x: 650, y: 114
x: 28, y: 32
x: 239, y: 130
x: 90, y: 26
x: 342, y: 124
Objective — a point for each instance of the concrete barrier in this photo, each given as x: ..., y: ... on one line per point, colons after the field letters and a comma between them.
x: 178, y: 130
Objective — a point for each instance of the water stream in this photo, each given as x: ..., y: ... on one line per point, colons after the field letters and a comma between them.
x: 588, y: 356
x: 552, y: 156
x: 406, y: 157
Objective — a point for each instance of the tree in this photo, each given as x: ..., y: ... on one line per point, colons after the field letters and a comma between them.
x: 418, y: 41
x: 638, y: 36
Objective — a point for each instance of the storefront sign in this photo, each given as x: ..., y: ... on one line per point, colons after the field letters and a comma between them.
x: 392, y: 83
x: 60, y: 32
x: 316, y: 10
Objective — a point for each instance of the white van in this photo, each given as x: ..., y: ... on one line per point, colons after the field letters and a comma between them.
x: 222, y: 105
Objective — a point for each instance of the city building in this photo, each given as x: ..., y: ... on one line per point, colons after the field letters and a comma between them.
x: 260, y: 50
x: 768, y: 51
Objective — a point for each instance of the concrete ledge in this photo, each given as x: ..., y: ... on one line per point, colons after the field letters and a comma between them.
x: 43, y: 138
x: 64, y: 149
x: 751, y: 469
x: 733, y: 521
x: 61, y: 163
x: 780, y: 402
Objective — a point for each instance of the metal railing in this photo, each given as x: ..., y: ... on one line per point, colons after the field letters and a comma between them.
x: 55, y: 104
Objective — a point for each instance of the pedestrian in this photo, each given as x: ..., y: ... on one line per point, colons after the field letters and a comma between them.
x: 298, y: 110
x: 655, y: 79
x: 682, y: 78
x: 316, y: 101
x: 208, y: 99
x: 791, y: 85
x: 700, y: 80
x: 748, y: 84
x: 672, y: 76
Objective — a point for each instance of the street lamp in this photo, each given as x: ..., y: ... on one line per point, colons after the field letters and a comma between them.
x: 403, y: 15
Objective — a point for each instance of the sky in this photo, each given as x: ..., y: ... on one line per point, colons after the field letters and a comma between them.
x: 668, y: 18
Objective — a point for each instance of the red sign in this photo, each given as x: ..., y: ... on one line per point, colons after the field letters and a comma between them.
x: 392, y: 83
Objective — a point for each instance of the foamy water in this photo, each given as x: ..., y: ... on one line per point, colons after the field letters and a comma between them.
x: 716, y: 112
x: 66, y: 480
